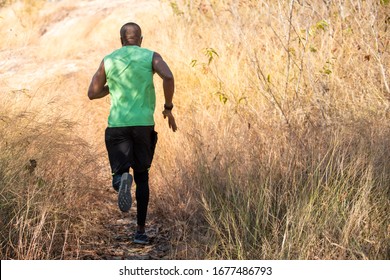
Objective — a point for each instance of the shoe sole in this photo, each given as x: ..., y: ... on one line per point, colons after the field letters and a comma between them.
x: 141, y: 239
x: 124, y: 194
x: 141, y: 242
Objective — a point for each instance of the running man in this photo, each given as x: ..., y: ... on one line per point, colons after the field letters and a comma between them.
x: 127, y: 75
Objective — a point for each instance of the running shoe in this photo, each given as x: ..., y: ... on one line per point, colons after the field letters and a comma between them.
x: 124, y: 195
x: 141, y: 238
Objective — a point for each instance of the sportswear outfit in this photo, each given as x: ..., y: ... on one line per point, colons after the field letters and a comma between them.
x: 130, y: 136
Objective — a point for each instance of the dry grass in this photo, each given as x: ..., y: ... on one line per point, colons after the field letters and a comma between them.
x: 284, y: 133
x: 46, y: 184
x: 282, y: 149
x: 49, y: 171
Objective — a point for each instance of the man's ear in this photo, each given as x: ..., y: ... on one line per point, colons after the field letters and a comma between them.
x: 122, y: 41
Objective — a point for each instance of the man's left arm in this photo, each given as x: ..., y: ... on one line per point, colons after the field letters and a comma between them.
x: 98, y: 88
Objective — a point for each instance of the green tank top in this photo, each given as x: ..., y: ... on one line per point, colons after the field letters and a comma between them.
x: 129, y: 73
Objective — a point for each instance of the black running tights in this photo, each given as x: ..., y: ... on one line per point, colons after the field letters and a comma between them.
x: 142, y: 195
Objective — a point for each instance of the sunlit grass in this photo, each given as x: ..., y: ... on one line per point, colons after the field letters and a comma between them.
x: 284, y: 133
x: 282, y: 148
x: 47, y: 180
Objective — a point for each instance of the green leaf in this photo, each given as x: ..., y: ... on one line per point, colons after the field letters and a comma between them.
x: 292, y: 51
x: 322, y: 24
x: 241, y: 99
x: 193, y: 62
x: 210, y: 53
x: 175, y: 8
x: 223, y: 98
x: 326, y: 70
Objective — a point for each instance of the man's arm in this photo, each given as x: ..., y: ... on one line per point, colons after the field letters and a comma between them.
x: 97, y: 88
x: 162, y: 69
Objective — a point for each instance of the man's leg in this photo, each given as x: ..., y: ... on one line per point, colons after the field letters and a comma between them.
x: 119, y: 147
x: 145, y: 139
x: 142, y: 195
x: 118, y: 144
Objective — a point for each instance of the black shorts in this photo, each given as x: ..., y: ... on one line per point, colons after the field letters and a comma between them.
x: 131, y: 146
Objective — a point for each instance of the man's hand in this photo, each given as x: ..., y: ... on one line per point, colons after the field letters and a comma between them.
x: 171, y: 119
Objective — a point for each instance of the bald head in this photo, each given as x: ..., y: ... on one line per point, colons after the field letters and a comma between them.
x: 131, y: 34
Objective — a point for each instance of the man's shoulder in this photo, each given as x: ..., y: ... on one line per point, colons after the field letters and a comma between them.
x: 146, y: 50
x: 129, y: 49
x: 145, y: 53
x: 113, y: 53
x: 136, y: 53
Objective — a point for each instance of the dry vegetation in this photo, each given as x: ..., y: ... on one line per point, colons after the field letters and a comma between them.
x: 284, y: 109
x: 283, y: 143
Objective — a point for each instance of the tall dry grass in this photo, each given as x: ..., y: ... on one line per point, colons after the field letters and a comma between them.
x: 49, y: 171
x: 283, y: 111
x: 47, y: 181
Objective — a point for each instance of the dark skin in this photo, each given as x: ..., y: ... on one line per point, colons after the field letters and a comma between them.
x: 131, y: 36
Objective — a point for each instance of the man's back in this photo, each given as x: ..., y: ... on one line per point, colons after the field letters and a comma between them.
x: 129, y: 75
x: 131, y: 138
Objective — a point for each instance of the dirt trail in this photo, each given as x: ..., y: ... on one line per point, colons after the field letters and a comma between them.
x: 115, y: 241
x: 59, y: 52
